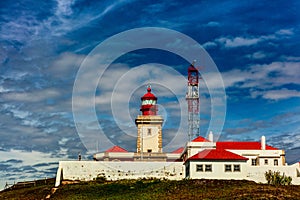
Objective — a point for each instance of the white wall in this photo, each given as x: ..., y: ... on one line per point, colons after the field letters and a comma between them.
x: 149, y: 141
x: 257, y: 173
x: 261, y: 155
x: 89, y: 170
x: 218, y: 170
x: 253, y: 173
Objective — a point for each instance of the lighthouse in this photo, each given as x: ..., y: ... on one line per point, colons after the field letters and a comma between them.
x: 149, y: 127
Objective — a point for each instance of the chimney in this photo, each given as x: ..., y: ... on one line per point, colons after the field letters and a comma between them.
x: 263, y: 142
x: 211, y: 136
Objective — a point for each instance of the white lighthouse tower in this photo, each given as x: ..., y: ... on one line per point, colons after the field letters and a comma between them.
x: 149, y: 128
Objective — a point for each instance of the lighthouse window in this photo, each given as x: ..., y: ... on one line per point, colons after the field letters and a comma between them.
x: 149, y: 102
x: 149, y: 132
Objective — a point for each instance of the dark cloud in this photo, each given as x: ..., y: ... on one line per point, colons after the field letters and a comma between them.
x: 14, y: 161
x: 238, y: 130
x: 44, y: 164
x: 4, y: 167
x: 292, y: 155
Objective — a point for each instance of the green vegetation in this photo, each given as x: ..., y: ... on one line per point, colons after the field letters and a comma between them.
x: 38, y: 192
x: 274, y: 178
x: 160, y: 189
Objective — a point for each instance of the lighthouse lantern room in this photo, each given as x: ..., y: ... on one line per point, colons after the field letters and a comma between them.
x: 149, y: 106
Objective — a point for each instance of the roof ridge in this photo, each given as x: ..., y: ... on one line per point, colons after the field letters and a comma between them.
x: 116, y: 148
x: 200, y: 139
x: 243, y: 145
x: 216, y: 154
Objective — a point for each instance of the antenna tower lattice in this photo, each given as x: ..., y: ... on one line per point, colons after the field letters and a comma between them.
x: 192, y: 98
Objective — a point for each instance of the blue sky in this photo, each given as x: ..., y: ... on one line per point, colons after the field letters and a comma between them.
x: 254, y: 44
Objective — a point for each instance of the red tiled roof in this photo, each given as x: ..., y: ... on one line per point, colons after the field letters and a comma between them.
x: 216, y: 154
x: 243, y: 146
x: 179, y: 150
x: 200, y: 139
x: 116, y: 149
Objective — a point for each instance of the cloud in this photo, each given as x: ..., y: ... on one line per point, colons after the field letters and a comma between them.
x: 287, y: 141
x: 34, y: 96
x: 213, y: 24
x: 3, y: 90
x: 22, y: 165
x: 69, y: 17
x: 292, y: 155
x: 60, y: 18
x: 285, y: 32
x: 279, y: 94
x: 64, y: 8
x: 259, y: 55
x: 65, y: 66
x: 208, y: 45
x: 14, y: 161
x: 281, y: 131
x: 246, y: 41
x: 237, y: 42
x: 263, y: 80
x: 238, y: 130
x: 292, y: 58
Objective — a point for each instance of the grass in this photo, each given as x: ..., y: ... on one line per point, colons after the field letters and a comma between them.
x: 37, y: 192
x: 160, y: 189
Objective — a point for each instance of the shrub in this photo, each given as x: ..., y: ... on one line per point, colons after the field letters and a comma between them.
x: 100, y: 179
x: 274, y: 178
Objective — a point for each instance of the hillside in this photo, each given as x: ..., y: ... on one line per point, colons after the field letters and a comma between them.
x: 158, y: 189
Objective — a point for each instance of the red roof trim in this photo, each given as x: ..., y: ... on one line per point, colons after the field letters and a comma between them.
x: 179, y: 150
x: 200, y: 139
x: 242, y: 145
x: 116, y: 149
x: 216, y: 154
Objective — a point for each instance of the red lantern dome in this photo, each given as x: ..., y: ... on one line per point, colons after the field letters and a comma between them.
x: 149, y: 106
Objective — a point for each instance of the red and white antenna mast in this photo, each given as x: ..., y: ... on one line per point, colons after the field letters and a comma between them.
x: 192, y: 98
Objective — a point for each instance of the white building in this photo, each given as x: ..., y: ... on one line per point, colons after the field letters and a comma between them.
x: 200, y: 158
x: 235, y: 160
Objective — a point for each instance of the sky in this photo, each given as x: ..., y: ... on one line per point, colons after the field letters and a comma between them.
x: 72, y: 73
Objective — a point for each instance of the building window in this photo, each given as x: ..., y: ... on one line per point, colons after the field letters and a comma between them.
x: 266, y: 161
x: 253, y: 162
x: 227, y: 168
x: 208, y: 168
x: 236, y: 168
x: 149, y: 132
x: 199, y: 168
x: 275, y: 162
